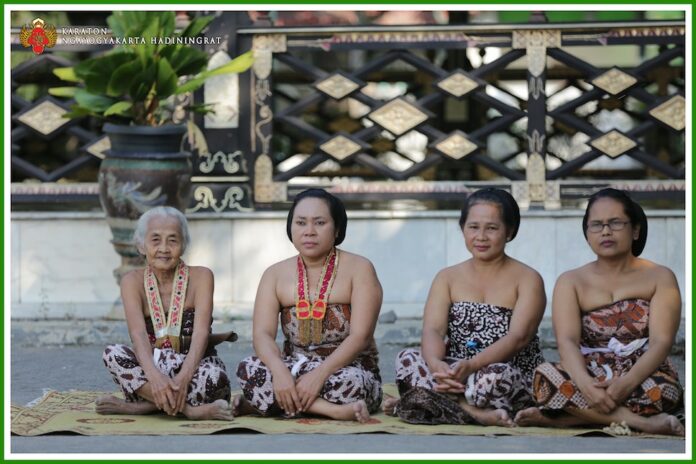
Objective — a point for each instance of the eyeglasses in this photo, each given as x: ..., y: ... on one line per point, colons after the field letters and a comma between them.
x: 614, y: 225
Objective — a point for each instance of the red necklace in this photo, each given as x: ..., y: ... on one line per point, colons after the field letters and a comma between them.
x: 307, y: 312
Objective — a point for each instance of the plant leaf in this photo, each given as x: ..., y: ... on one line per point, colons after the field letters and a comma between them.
x: 119, y: 108
x: 166, y: 79
x: 66, y: 74
x: 237, y: 65
x: 185, y: 60
x: 67, y: 92
x: 122, y: 78
x: 95, y: 102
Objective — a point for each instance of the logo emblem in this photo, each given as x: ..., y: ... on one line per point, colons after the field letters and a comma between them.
x: 38, y: 37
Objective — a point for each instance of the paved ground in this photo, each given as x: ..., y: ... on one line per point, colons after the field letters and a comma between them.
x: 60, y: 367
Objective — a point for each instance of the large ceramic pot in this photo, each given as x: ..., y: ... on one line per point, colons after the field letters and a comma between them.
x: 145, y: 167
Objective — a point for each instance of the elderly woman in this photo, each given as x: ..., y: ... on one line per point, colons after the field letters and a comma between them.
x: 170, y: 367
x: 615, y: 320
x: 479, y: 346
x: 327, y: 301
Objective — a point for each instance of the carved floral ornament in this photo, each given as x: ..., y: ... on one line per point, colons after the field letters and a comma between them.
x: 672, y: 112
x: 456, y: 146
x: 614, y: 81
x: 458, y: 84
x: 340, y: 147
x: 45, y: 118
x: 337, y: 86
x: 398, y: 116
x: 613, y: 144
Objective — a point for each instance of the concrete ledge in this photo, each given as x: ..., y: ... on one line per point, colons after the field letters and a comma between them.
x: 66, y: 332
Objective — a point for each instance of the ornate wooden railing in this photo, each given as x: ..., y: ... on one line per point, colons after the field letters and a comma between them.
x: 377, y: 113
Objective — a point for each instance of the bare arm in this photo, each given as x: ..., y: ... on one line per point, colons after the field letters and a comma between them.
x: 265, y: 327
x: 163, y: 389
x: 526, y: 316
x: 203, y: 304
x: 567, y: 324
x: 435, y: 318
x: 664, y: 319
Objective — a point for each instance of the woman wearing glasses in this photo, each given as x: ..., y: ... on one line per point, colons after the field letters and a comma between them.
x: 615, y: 321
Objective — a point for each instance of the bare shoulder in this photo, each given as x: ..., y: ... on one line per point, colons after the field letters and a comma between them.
x: 452, y: 273
x: 573, y: 277
x: 280, y: 268
x: 200, y: 273
x: 524, y: 272
x: 356, y: 263
x: 133, y: 278
x: 656, y: 272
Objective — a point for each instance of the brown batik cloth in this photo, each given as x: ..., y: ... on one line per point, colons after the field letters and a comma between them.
x: 209, y: 382
x: 359, y: 380
x: 625, y: 320
x: 471, y: 328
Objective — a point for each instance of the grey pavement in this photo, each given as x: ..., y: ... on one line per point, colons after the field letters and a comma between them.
x: 72, y: 360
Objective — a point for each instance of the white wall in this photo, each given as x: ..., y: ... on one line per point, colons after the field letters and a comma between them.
x: 62, y: 263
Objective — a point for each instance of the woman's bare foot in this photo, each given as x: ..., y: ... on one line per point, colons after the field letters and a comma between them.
x: 352, y: 411
x: 113, y: 405
x: 217, y: 410
x: 484, y: 416
x: 663, y: 424
x: 389, y: 405
x: 361, y: 413
x: 241, y: 407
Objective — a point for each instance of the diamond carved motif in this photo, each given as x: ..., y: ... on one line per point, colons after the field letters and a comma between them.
x: 613, y: 143
x: 340, y: 147
x: 614, y: 81
x: 337, y: 86
x: 671, y: 112
x: 456, y: 146
x: 398, y: 116
x: 45, y: 118
x: 99, y: 147
x: 458, y: 84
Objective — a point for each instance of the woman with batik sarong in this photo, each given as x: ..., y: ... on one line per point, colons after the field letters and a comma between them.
x: 615, y: 320
x: 327, y: 301
x: 171, y: 365
x: 479, y: 346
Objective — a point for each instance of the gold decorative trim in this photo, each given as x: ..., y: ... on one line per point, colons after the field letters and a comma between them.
x: 340, y: 147
x: 536, y: 42
x: 98, y: 148
x: 458, y: 84
x: 536, y: 177
x: 265, y: 190
x: 614, y: 81
x: 613, y: 144
x: 397, y: 37
x: 337, y: 86
x: 550, y: 38
x: 231, y: 200
x: 45, y: 118
x: 671, y: 112
x: 398, y: 116
x: 228, y: 160
x: 264, y: 46
x: 456, y: 146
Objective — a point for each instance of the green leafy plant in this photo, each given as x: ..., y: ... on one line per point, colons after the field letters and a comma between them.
x: 137, y: 80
